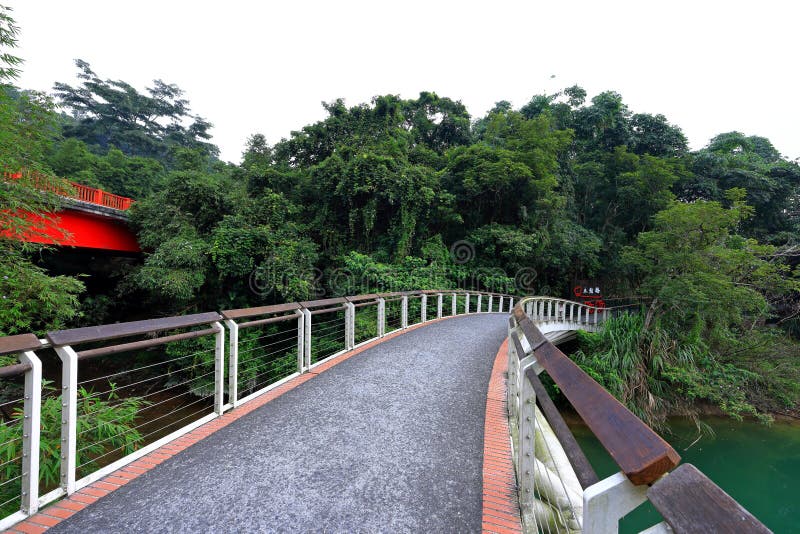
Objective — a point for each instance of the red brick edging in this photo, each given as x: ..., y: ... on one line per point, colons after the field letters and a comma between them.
x: 500, y: 504
x: 60, y: 510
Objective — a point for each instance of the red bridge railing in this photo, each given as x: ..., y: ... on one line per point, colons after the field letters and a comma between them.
x: 84, y: 193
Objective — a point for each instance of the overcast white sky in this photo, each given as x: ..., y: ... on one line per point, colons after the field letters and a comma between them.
x: 249, y: 66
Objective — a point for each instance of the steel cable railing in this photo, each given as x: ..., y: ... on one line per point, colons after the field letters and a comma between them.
x: 559, y: 490
x: 128, y: 388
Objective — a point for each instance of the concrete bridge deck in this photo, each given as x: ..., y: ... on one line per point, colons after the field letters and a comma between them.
x: 391, y: 440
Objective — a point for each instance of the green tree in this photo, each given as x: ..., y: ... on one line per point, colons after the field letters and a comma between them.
x: 109, y: 113
x: 30, y: 300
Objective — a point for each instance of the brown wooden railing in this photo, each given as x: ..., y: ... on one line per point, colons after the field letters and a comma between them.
x: 688, y: 501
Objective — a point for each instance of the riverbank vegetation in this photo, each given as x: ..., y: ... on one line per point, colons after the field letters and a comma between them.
x: 415, y: 193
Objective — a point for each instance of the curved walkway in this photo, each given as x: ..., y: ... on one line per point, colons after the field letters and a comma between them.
x: 391, y: 440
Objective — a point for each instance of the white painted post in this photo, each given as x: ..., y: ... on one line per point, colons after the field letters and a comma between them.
x: 219, y: 368
x: 423, y: 310
x: 480, y: 302
x: 525, y: 442
x: 439, y: 298
x: 549, y: 310
x: 510, y: 304
x: 571, y: 311
x: 233, y: 363
x: 69, y: 416
x: 608, y: 501
x: 489, y: 305
x: 596, y: 313
x: 381, y: 317
x: 466, y: 303
x: 350, y: 325
x: 301, y: 323
x: 307, y: 338
x: 31, y: 428
x: 454, y: 305
x: 404, y: 312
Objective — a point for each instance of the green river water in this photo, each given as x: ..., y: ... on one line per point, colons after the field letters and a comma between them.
x: 757, y: 465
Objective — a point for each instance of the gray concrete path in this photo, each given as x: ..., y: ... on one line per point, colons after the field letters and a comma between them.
x: 390, y: 440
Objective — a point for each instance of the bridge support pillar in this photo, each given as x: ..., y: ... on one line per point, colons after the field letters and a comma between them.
x: 608, y: 501
x: 307, y: 339
x: 233, y: 362
x: 219, y: 368
x: 69, y: 416
x: 381, y: 317
x: 350, y: 325
x: 301, y: 324
x: 31, y: 432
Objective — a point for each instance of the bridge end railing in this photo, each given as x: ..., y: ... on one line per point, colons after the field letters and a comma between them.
x: 559, y: 490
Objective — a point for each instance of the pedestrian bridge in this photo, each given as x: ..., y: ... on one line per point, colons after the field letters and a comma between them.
x: 395, y: 412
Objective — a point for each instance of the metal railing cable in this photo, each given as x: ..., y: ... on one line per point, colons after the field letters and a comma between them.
x: 559, y: 491
x: 128, y: 388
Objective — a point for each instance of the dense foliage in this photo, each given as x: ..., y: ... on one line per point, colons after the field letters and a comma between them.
x: 415, y: 193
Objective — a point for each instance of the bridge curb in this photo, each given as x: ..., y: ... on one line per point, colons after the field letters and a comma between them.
x: 500, y: 505
x: 69, y: 506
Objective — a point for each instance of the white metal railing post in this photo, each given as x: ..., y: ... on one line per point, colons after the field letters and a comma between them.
x: 31, y: 431
x: 596, y: 313
x: 301, y: 323
x: 404, y: 312
x: 525, y: 442
x: 571, y: 311
x: 608, y: 501
x: 500, y: 306
x: 466, y: 303
x: 549, y: 310
x: 510, y: 304
x: 69, y: 416
x: 350, y: 325
x: 489, y: 304
x: 233, y: 362
x: 454, y: 305
x: 219, y: 368
x: 439, y: 298
x: 381, y: 317
x: 307, y: 338
x: 480, y: 299
x: 423, y: 310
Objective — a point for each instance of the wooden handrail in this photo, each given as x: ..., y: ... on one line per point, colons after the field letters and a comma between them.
x: 308, y: 304
x: 144, y: 344
x: 75, y: 336
x: 242, y: 313
x: 580, y: 464
x: 692, y: 504
x: 18, y: 343
x: 639, y: 452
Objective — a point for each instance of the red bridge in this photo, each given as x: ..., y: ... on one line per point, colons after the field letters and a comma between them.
x: 89, y: 217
